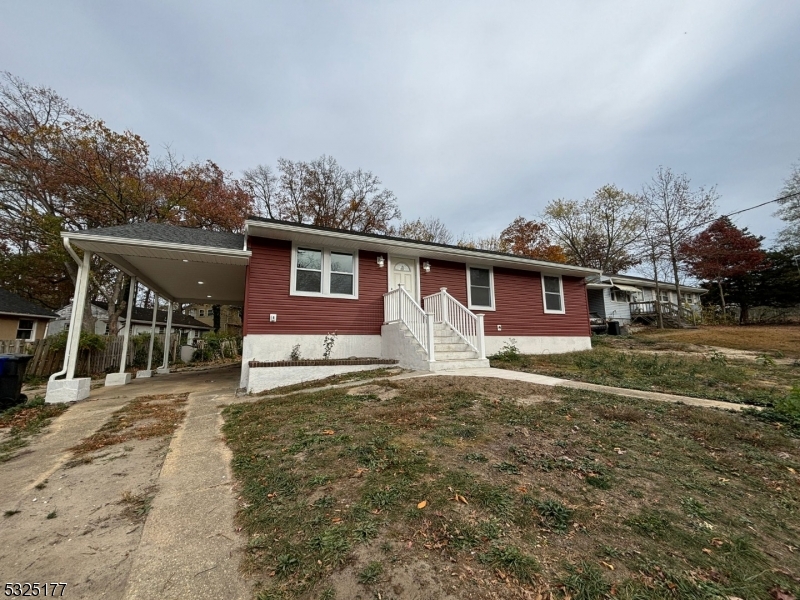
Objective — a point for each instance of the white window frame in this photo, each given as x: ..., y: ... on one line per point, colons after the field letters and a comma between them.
x: 33, y: 329
x: 615, y: 294
x: 472, y: 306
x: 544, y: 296
x: 326, y: 272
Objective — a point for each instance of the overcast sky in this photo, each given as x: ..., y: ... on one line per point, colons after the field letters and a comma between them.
x: 474, y: 112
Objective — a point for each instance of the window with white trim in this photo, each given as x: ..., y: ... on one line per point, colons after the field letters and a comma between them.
x: 553, y: 294
x: 324, y: 272
x: 620, y: 295
x: 480, y: 288
x: 25, y: 329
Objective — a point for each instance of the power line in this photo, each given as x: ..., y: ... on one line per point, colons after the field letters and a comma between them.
x: 738, y: 212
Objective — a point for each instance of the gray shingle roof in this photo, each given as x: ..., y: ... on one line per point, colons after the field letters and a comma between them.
x: 14, y: 305
x: 141, y: 314
x: 173, y: 234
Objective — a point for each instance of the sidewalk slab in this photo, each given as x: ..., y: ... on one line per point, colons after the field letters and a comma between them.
x: 188, y: 547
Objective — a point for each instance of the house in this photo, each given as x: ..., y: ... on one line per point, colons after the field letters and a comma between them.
x: 627, y: 299
x: 141, y: 320
x: 21, y: 319
x: 230, y: 317
x: 377, y: 299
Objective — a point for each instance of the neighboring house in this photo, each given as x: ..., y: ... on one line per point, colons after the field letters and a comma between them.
x: 626, y: 298
x: 230, y: 317
x: 141, y: 321
x: 21, y: 319
x: 421, y: 305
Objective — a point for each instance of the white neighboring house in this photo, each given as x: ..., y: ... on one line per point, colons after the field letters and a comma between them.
x: 626, y: 298
x: 141, y: 321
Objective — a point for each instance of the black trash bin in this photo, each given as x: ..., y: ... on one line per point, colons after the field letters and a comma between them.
x: 12, y: 372
x: 613, y: 328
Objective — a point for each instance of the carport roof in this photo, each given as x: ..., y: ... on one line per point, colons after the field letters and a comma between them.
x: 181, y: 264
x: 162, y: 232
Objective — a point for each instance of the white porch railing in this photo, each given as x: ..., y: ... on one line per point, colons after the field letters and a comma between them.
x: 463, y: 321
x: 400, y: 307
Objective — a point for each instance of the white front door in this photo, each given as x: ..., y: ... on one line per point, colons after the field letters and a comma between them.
x: 403, y: 271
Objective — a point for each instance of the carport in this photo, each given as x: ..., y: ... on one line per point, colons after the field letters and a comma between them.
x: 177, y: 264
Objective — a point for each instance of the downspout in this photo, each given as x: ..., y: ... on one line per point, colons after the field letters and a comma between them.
x: 71, y: 330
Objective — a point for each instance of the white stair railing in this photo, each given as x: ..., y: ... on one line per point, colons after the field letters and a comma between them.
x: 463, y: 321
x: 400, y: 307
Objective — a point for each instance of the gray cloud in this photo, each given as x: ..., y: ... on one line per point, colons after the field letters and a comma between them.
x: 473, y: 112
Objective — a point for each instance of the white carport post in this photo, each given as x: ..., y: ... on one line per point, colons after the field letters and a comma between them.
x: 122, y: 377
x: 70, y: 389
x: 149, y: 371
x: 164, y: 370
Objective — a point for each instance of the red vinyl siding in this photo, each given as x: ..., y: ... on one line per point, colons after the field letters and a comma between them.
x: 451, y: 275
x: 267, y: 291
x: 517, y: 299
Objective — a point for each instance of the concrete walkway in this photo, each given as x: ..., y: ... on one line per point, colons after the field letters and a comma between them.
x: 188, y: 547
x: 592, y: 387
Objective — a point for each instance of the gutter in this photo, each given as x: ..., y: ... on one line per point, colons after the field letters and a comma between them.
x: 424, y: 249
x: 155, y: 244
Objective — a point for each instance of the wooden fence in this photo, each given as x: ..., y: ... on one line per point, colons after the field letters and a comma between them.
x: 47, y: 360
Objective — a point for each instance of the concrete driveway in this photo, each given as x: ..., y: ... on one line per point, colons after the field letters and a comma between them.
x: 70, y: 522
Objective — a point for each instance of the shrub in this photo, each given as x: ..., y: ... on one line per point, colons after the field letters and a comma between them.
x: 509, y: 352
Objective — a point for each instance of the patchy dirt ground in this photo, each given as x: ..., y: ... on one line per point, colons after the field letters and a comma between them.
x: 777, y: 341
x: 80, y: 523
x: 75, y: 503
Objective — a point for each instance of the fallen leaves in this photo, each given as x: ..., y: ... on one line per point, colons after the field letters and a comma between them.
x: 422, y: 504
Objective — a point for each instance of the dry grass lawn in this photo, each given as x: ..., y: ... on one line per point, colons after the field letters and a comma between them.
x: 756, y: 338
x: 456, y: 487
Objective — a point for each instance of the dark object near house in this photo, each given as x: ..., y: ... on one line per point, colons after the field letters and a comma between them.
x: 12, y: 372
x: 613, y: 328
x: 597, y: 323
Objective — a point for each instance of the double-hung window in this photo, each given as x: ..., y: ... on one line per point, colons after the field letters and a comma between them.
x: 25, y: 330
x: 480, y: 289
x: 324, y: 272
x: 553, y: 292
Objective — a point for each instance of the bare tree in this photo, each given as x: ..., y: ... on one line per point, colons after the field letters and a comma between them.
x: 491, y: 242
x: 675, y: 212
x: 321, y: 192
x: 599, y: 232
x: 426, y: 230
x: 789, y: 209
x: 263, y: 187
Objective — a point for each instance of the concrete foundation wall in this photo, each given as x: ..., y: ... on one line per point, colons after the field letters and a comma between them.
x: 270, y: 347
x: 540, y: 344
x: 395, y: 345
x: 266, y: 378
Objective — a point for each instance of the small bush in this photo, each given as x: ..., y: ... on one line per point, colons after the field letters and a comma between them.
x: 509, y: 352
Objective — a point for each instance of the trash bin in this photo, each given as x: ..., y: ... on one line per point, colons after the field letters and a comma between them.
x: 187, y: 352
x: 12, y: 372
x: 613, y: 328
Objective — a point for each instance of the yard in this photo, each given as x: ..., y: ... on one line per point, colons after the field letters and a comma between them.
x: 657, y: 362
x: 448, y: 487
x: 777, y: 341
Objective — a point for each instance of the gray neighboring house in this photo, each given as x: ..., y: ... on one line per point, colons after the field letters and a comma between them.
x: 141, y: 320
x: 22, y: 319
x: 627, y: 299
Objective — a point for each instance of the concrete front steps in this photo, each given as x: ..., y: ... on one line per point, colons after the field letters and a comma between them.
x: 451, y: 352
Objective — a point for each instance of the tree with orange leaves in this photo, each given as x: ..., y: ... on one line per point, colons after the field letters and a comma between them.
x: 531, y: 239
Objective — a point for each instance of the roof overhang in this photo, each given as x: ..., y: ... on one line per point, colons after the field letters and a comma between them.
x: 26, y: 316
x: 598, y: 286
x: 173, y: 270
x: 626, y: 288
x: 303, y: 234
